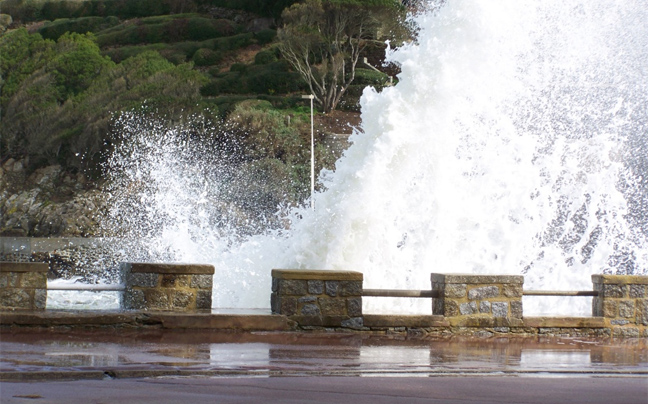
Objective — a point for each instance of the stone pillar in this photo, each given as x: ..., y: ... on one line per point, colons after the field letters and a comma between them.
x: 469, y: 299
x: 23, y: 285
x: 318, y: 298
x: 167, y: 287
x: 623, y: 301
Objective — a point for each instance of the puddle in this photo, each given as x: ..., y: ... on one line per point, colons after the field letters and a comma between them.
x: 318, y: 353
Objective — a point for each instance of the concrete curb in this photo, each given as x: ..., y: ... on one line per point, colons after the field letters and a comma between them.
x: 145, y: 320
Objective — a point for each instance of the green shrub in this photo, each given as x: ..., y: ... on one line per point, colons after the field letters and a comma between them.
x: 264, y: 57
x: 260, y: 105
x: 351, y: 98
x: 265, y: 36
x: 206, y: 57
x: 225, y: 84
x: 52, y: 10
x: 77, y: 64
x: 238, y: 67
x: 199, y: 29
x: 265, y: 8
x: 283, y: 102
x: 211, y: 89
x: 227, y: 103
x: 273, y: 78
x: 21, y: 54
x: 120, y: 36
x: 124, y: 52
x: 234, y: 42
x: 174, y: 55
x: 281, y: 65
x: 136, y: 8
x: 268, y: 81
x: 57, y: 28
x: 267, y: 132
x: 162, y: 19
x: 188, y: 47
x: 369, y: 77
x: 21, y: 10
x: 175, y: 29
x: 144, y: 65
x: 5, y: 22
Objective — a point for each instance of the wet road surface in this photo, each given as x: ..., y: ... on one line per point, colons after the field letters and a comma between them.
x: 355, y: 390
x: 165, y: 367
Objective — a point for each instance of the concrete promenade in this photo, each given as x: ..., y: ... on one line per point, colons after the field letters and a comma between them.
x: 356, y: 390
x: 196, y: 366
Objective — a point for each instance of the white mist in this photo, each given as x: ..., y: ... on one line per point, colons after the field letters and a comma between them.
x: 514, y: 143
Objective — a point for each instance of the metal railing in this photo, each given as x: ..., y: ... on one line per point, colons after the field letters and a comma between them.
x: 89, y: 286
x: 365, y: 292
x: 560, y: 293
x: 400, y: 293
x: 436, y: 293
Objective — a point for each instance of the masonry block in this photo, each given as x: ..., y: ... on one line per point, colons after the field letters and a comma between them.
x: 167, y: 287
x: 470, y: 297
x: 318, y: 297
x: 623, y: 302
x: 23, y: 285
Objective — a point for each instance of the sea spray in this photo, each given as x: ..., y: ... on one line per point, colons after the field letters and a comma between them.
x: 503, y: 149
x: 513, y: 143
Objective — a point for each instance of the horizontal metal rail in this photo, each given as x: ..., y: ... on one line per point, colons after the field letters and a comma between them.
x: 88, y: 286
x: 365, y: 292
x: 400, y: 293
x: 560, y: 293
x: 436, y: 293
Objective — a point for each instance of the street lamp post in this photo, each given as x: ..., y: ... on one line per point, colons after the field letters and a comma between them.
x: 311, y: 97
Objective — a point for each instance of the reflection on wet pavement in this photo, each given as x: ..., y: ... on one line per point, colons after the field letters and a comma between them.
x: 286, y: 353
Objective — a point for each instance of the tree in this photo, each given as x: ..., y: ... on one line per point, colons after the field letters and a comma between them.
x: 323, y: 40
x: 78, y: 63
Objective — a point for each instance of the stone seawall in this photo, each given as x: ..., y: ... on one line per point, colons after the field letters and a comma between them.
x: 397, y: 325
x: 172, y: 287
x: 23, y: 286
x: 465, y: 304
x: 326, y: 301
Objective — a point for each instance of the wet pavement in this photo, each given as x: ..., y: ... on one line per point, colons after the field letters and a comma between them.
x: 243, y: 367
x: 344, y: 390
x: 266, y: 353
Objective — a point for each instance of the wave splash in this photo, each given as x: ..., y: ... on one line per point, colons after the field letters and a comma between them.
x: 513, y: 143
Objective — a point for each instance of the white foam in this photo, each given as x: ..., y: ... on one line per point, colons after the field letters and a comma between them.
x: 509, y: 146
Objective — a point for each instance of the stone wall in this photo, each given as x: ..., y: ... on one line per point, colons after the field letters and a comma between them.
x: 23, y: 286
x: 623, y: 301
x: 473, y: 300
x: 464, y: 304
x: 481, y: 305
x: 167, y: 287
x: 318, y: 297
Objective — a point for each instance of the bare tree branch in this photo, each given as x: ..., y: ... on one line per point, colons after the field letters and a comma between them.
x: 323, y: 41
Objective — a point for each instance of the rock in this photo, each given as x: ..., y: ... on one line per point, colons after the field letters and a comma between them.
x: 483, y: 292
x: 355, y: 323
x: 310, y: 310
x: 500, y: 309
x: 47, y: 203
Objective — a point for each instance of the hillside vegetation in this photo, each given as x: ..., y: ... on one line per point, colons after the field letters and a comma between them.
x: 69, y: 68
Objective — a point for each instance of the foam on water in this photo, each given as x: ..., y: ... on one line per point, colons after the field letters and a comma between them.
x: 514, y: 143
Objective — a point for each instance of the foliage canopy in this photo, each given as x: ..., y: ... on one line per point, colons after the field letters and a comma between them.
x: 323, y: 41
